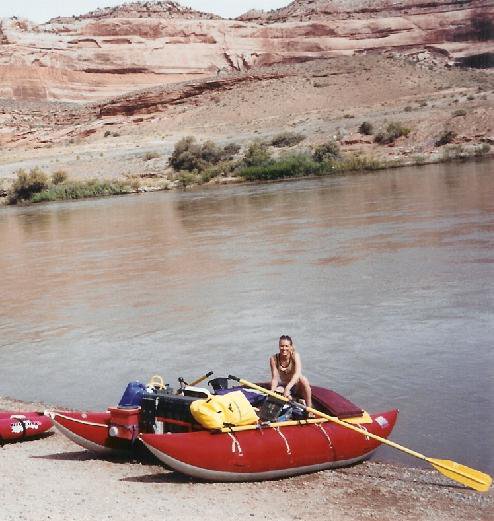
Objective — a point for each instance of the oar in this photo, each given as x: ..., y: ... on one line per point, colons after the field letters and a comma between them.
x: 195, y: 382
x: 462, y: 474
x: 201, y: 378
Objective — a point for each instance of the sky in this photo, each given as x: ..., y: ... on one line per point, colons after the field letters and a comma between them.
x: 43, y: 10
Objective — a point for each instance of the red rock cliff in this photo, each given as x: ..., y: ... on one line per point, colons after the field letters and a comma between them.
x: 115, y: 50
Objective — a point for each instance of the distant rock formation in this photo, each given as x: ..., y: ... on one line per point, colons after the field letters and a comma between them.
x: 115, y: 50
x: 159, y: 9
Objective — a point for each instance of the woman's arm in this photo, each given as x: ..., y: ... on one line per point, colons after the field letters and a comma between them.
x: 275, y: 376
x: 296, y: 375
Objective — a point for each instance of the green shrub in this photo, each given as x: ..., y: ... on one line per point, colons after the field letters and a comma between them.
x: 58, y: 177
x: 27, y: 184
x: 287, y: 139
x: 419, y: 159
x: 329, y: 151
x: 303, y: 164
x: 366, y: 128
x: 81, y: 189
x: 186, y: 179
x: 447, y: 136
x: 257, y: 154
x: 392, y: 132
x: 289, y: 166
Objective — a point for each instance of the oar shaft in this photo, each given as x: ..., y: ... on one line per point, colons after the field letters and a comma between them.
x: 201, y: 378
x: 470, y: 477
x: 336, y: 420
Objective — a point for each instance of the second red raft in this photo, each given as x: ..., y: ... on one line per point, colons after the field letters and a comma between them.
x: 22, y: 425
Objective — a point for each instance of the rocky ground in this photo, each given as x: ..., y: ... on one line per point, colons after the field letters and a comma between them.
x: 51, y: 478
x: 133, y: 135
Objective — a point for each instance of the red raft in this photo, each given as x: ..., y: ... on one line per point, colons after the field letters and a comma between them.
x: 98, y: 431
x: 270, y: 452
x: 265, y: 451
x: 22, y: 425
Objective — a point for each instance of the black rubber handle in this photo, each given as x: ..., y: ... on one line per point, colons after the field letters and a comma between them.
x: 231, y: 377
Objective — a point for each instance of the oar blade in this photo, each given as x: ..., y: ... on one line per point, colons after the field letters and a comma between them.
x: 465, y: 475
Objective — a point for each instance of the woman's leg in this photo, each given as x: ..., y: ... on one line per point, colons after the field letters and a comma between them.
x: 305, y: 390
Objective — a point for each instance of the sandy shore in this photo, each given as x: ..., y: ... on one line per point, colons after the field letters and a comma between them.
x: 51, y: 478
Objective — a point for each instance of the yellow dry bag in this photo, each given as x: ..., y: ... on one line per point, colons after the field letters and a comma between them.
x: 220, y: 411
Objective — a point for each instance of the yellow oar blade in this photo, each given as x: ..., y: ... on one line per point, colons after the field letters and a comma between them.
x: 465, y: 475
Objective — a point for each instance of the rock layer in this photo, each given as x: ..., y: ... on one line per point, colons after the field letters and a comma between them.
x: 116, y: 50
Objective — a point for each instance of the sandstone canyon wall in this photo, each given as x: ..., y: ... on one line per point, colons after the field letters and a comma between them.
x: 116, y: 50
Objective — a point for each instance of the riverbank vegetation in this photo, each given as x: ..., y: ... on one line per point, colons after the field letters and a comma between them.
x: 199, y: 163
x: 35, y: 186
x: 194, y: 163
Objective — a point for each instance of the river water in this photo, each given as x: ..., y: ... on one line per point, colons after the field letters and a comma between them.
x: 384, y: 280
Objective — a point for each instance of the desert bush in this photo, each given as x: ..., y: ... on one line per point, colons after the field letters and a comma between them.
x: 329, y: 151
x: 58, y: 177
x: 287, y: 139
x: 482, y: 149
x: 222, y: 168
x: 445, y: 137
x: 366, y: 128
x: 150, y: 155
x: 135, y: 183
x: 188, y: 155
x: 453, y: 152
x: 392, y: 132
x: 408, y: 108
x: 357, y: 163
x: 211, y: 153
x: 459, y: 112
x: 230, y: 150
x: 257, y: 154
x: 27, y: 184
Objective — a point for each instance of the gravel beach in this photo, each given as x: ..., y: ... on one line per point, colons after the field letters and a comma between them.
x: 52, y: 478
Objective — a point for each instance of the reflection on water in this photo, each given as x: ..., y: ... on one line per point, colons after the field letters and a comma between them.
x: 384, y: 280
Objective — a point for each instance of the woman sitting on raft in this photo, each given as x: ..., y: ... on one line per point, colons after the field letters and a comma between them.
x: 286, y: 372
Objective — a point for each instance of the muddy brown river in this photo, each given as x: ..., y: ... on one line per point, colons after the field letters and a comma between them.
x: 385, y: 281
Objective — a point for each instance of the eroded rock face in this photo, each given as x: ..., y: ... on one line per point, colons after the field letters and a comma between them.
x: 116, y: 50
